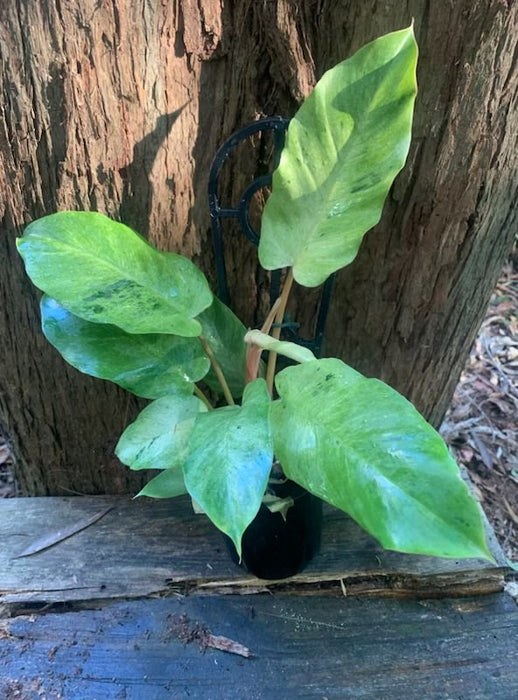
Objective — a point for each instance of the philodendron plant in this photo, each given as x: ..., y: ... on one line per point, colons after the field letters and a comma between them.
x: 118, y: 309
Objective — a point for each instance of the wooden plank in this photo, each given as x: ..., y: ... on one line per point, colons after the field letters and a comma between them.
x: 303, y: 647
x: 144, y: 547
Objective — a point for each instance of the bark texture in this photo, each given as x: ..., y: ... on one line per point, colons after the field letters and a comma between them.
x: 119, y: 106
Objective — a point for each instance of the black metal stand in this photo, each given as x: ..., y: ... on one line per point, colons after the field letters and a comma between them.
x: 279, y: 126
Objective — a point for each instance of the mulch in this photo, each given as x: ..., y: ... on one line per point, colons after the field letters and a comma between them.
x: 481, y: 425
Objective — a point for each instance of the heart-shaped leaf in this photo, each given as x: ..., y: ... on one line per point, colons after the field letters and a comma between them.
x: 104, y: 272
x: 230, y: 457
x: 159, y: 437
x: 344, y: 147
x: 149, y: 365
x: 361, y: 446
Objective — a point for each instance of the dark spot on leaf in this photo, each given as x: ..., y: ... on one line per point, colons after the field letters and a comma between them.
x: 122, y: 290
x: 365, y: 183
x: 328, y: 377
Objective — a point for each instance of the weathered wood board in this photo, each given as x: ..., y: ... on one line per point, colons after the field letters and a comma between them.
x: 103, y: 613
x: 303, y: 647
x: 144, y: 547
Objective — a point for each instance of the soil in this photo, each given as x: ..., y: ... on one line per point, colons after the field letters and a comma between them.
x: 481, y: 425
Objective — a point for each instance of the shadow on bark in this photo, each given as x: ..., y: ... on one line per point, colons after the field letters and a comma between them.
x: 137, y: 196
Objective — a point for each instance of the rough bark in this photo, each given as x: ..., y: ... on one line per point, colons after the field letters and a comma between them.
x: 119, y: 106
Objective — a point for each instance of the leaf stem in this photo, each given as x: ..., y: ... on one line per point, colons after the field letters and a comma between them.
x: 253, y: 353
x: 217, y: 370
x: 276, y: 333
x: 199, y: 393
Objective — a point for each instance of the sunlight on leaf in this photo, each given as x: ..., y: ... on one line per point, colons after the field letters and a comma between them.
x: 361, y: 446
x: 230, y: 457
x: 104, y: 272
x: 344, y: 147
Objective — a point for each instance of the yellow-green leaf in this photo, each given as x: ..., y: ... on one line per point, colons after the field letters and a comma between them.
x: 364, y: 448
x: 344, y: 147
x: 102, y: 271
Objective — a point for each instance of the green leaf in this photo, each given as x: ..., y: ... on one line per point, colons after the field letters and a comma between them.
x: 168, y: 484
x: 159, y: 437
x: 344, y: 147
x: 104, y: 272
x: 230, y: 457
x: 361, y: 446
x: 149, y: 365
x: 225, y: 334
x: 283, y: 347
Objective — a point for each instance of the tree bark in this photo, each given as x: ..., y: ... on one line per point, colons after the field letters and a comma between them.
x: 120, y: 106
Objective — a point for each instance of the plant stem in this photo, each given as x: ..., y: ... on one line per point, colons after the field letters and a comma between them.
x: 199, y: 393
x: 276, y: 333
x: 253, y: 353
x: 217, y: 371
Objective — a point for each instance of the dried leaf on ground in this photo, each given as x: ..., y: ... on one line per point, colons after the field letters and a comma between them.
x: 53, y: 538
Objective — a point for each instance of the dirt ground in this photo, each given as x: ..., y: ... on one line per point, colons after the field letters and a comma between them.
x: 481, y: 426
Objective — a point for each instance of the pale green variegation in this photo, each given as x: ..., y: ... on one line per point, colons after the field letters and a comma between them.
x: 104, y: 272
x: 129, y: 313
x: 149, y: 365
x: 344, y: 147
x: 159, y: 437
x: 367, y: 451
x: 230, y: 457
x: 282, y: 347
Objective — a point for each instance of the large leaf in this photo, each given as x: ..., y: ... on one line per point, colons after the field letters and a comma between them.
x: 361, y: 446
x: 103, y: 271
x: 225, y: 334
x: 159, y: 437
x: 149, y: 365
x: 344, y: 147
x: 230, y: 457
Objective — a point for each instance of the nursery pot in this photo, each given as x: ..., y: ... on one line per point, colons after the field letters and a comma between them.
x: 277, y: 545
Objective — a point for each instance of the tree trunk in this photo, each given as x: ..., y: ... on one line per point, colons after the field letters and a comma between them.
x: 119, y: 106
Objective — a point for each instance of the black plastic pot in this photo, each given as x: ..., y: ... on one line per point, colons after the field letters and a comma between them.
x: 274, y: 547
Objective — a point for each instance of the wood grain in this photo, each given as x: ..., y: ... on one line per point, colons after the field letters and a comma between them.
x: 302, y: 647
x: 120, y: 106
x: 147, y: 547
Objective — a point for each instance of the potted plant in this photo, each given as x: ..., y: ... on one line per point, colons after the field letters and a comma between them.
x: 118, y: 309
